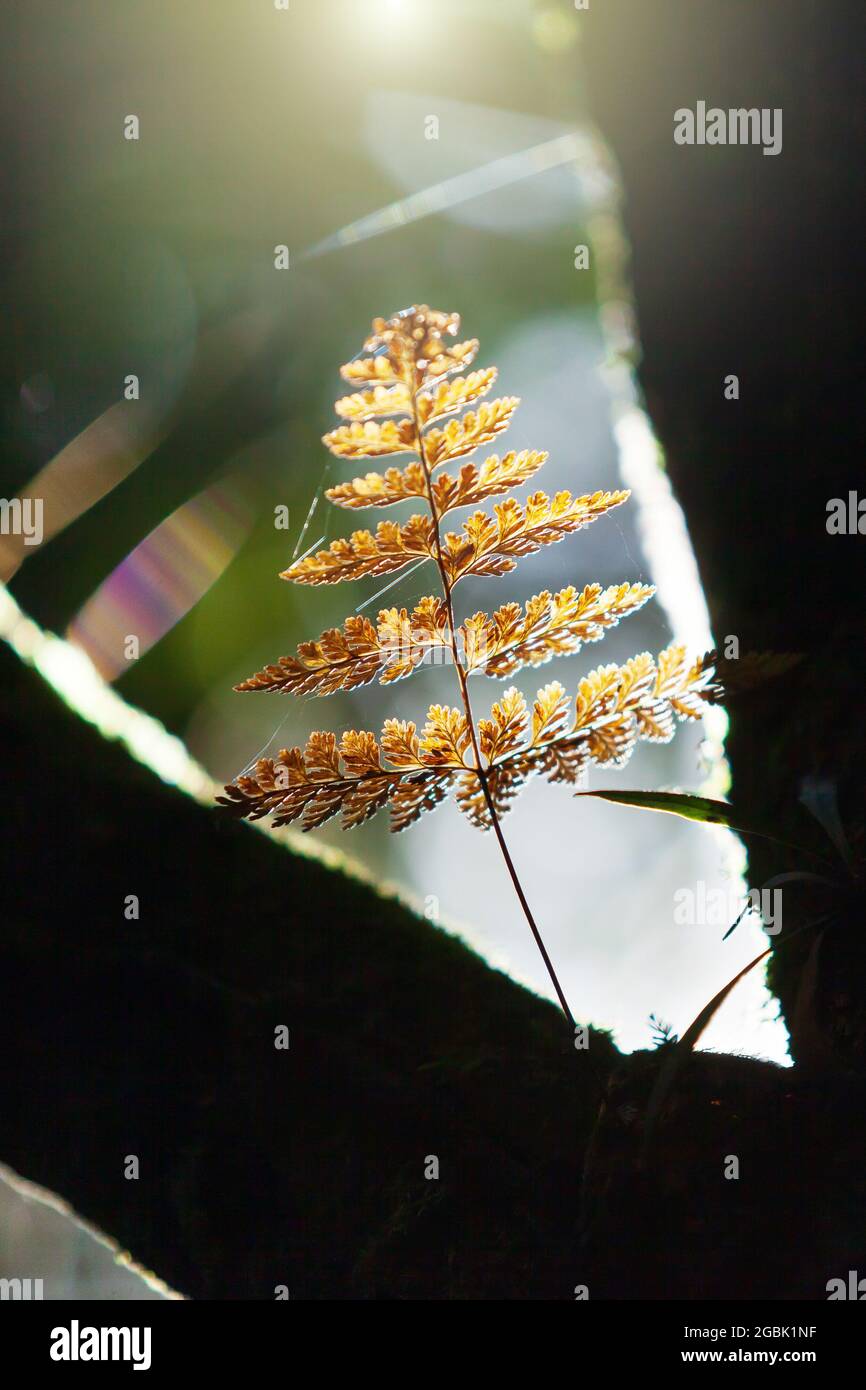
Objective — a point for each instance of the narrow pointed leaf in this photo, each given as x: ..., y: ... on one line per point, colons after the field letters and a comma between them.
x: 698, y: 808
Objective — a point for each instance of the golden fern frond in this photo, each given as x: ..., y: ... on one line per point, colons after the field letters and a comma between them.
x: 405, y: 377
x: 362, y: 553
x: 384, y: 370
x: 682, y: 684
x: 472, y: 485
x: 315, y: 783
x: 503, y: 785
x: 380, y: 489
x: 408, y: 391
x: 371, y: 439
x: 549, y: 625
x: 444, y: 398
x: 378, y: 400
x: 359, y: 652
x: 461, y: 437
x: 615, y: 708
x: 349, y: 778
x: 340, y: 659
x: 617, y: 705
x: 491, y: 545
x: 403, y: 402
x: 416, y: 794
x: 445, y: 737
x: 379, y: 370
x: 495, y: 476
x: 453, y: 359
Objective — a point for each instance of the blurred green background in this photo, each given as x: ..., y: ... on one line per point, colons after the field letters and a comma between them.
x: 257, y: 127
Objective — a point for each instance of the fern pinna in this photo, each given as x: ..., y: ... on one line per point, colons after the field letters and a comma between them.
x: 406, y: 400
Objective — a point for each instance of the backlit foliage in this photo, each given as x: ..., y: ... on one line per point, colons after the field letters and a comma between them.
x: 406, y: 400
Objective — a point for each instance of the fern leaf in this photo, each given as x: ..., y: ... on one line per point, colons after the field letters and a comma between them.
x: 317, y: 783
x: 379, y: 400
x: 491, y: 545
x: 339, y: 660
x: 363, y: 554
x: 447, y: 397
x: 496, y: 475
x: 401, y: 744
x: 472, y: 485
x: 505, y: 729
x: 500, y: 738
x: 417, y: 793
x: 359, y: 652
x: 408, y: 391
x: 380, y: 489
x: 312, y: 785
x: 414, y: 339
x: 461, y: 437
x: 684, y: 685
x: 445, y: 737
x: 503, y: 785
x: 408, y: 351
x: 549, y: 625
x: 549, y: 714
x: 371, y: 439
x: 615, y: 707
x: 350, y: 777
x: 453, y: 359
x: 407, y: 638
x: 488, y: 545
x: 379, y: 370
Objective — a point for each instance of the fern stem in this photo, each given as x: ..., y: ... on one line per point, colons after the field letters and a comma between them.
x: 467, y: 706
